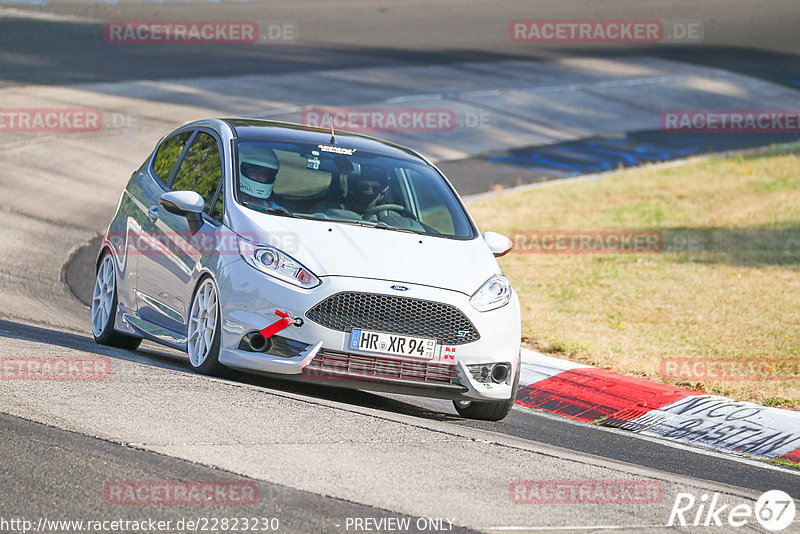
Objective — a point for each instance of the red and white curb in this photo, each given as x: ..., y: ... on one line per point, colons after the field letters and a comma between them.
x: 605, y: 398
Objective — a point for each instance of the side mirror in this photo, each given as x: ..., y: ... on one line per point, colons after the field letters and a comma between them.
x: 185, y: 204
x: 499, y: 244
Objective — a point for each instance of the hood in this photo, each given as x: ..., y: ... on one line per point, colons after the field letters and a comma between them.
x: 336, y: 249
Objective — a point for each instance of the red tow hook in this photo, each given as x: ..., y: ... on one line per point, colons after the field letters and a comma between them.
x: 280, y: 324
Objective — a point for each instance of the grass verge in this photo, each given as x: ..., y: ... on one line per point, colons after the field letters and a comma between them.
x: 716, y: 308
x: 785, y: 463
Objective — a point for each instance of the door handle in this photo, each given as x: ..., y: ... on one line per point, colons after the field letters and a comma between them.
x: 153, y: 213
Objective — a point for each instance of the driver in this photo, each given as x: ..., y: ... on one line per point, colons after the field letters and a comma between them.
x: 258, y: 168
x: 363, y: 189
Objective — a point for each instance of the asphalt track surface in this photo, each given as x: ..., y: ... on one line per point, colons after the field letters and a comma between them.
x: 49, y: 471
x: 758, y: 38
x: 72, y: 487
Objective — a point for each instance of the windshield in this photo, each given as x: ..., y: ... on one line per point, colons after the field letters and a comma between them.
x: 333, y: 183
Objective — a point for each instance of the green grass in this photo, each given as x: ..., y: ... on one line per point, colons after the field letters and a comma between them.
x: 785, y: 463
x: 726, y: 285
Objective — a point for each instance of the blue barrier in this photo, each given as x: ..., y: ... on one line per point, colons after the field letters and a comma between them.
x: 595, y: 155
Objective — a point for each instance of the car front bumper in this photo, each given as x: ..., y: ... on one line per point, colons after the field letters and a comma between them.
x: 249, y: 301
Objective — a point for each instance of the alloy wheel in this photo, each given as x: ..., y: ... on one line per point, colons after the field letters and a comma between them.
x: 202, y: 323
x: 103, y: 296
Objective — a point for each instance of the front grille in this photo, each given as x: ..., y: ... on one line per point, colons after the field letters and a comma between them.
x: 396, y: 315
x: 333, y: 362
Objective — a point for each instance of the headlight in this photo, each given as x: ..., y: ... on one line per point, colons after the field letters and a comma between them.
x: 271, y: 261
x: 493, y: 294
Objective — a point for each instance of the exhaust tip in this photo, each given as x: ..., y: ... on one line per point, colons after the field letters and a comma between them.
x: 500, y: 373
x: 254, y: 342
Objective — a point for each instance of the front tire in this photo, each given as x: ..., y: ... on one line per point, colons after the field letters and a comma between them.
x: 204, y: 330
x: 489, y: 410
x: 104, y: 308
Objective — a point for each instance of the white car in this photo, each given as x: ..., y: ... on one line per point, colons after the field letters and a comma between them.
x: 332, y: 257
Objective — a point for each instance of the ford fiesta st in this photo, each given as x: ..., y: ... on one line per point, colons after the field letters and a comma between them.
x: 287, y: 250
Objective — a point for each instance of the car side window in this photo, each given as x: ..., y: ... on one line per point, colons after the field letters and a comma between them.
x: 201, y: 171
x: 168, y: 154
x: 216, y: 211
x: 432, y: 203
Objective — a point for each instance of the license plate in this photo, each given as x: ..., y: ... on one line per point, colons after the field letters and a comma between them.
x: 418, y: 347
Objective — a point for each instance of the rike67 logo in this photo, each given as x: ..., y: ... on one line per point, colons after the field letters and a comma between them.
x: 774, y: 510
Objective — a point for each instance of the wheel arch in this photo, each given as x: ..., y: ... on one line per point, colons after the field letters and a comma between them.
x: 105, y: 248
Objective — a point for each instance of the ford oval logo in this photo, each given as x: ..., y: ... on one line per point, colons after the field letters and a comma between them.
x: 399, y: 288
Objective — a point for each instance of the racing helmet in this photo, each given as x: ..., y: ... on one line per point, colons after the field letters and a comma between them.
x: 258, y: 167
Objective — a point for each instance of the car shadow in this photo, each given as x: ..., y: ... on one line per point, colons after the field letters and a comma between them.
x: 166, y: 358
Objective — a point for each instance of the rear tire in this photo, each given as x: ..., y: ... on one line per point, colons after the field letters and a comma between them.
x: 104, y: 308
x: 489, y: 410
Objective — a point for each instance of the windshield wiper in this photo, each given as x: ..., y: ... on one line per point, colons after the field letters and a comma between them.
x: 383, y: 226
x: 273, y: 210
x: 372, y: 224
